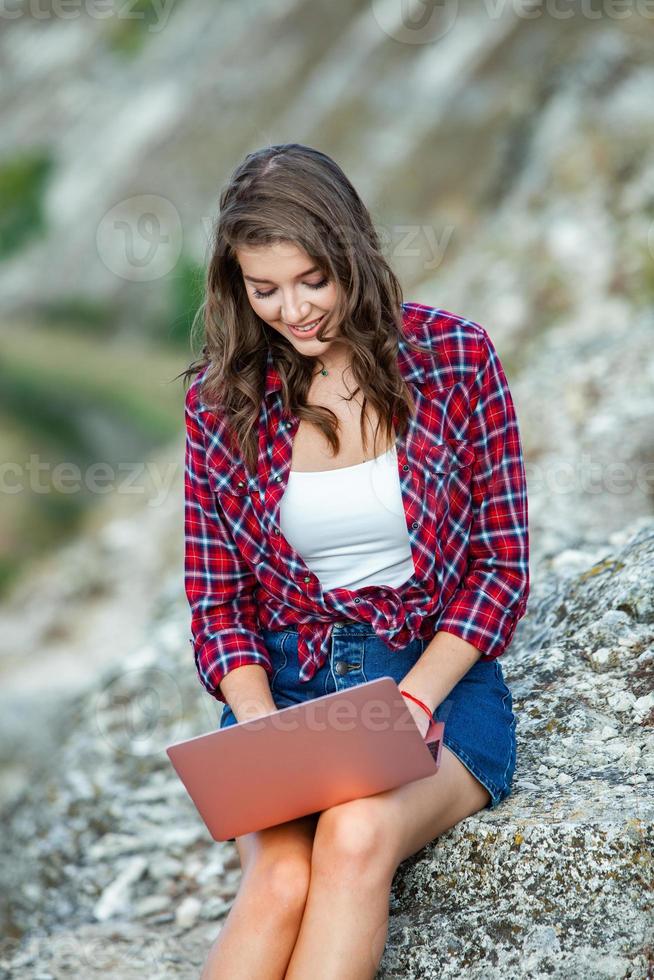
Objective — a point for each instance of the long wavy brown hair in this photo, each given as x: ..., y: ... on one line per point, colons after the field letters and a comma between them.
x: 284, y: 193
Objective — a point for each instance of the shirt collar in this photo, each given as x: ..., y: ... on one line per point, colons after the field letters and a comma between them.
x: 412, y: 364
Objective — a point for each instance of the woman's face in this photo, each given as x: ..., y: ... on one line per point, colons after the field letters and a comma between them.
x: 288, y: 291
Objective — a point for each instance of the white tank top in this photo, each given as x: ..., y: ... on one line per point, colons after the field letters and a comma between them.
x: 349, y: 524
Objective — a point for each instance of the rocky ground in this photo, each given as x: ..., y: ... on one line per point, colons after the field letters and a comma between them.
x: 521, y: 149
x: 107, y: 867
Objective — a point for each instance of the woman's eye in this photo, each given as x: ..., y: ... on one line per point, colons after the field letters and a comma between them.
x: 311, y: 285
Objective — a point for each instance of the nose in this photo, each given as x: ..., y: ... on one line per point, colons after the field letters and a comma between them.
x: 292, y: 312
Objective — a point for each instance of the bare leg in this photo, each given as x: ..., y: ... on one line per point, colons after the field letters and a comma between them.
x: 356, y: 851
x: 261, y: 929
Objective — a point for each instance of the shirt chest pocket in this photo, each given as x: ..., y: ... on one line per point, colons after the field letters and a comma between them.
x: 232, y: 479
x: 447, y: 470
x: 237, y: 494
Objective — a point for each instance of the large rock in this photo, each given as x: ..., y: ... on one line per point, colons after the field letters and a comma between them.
x: 559, y: 879
x: 109, y: 869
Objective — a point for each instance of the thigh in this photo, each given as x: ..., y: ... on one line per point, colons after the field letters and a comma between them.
x: 426, y: 808
x: 392, y: 825
x: 292, y: 839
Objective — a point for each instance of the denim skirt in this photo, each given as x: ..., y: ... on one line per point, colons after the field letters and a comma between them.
x: 477, y: 713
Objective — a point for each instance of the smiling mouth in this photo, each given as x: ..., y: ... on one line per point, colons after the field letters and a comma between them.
x: 307, y: 327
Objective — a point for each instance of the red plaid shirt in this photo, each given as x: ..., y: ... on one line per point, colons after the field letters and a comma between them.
x: 464, y: 490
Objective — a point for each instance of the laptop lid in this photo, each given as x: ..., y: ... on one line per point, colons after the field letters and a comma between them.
x: 305, y: 758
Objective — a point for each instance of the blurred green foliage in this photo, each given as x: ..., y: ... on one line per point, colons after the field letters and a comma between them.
x: 80, y: 313
x: 128, y: 31
x: 185, y: 296
x: 22, y: 183
x: 9, y: 573
x: 70, y: 397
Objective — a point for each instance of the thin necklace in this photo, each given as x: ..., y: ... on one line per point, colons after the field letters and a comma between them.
x: 323, y: 371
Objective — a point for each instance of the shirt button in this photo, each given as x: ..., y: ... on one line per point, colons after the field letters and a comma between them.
x: 307, y: 578
x: 415, y: 524
x: 405, y: 467
x: 357, y: 599
x: 277, y: 479
x: 277, y: 531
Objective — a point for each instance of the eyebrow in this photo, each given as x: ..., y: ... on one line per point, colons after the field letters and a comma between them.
x: 306, y: 272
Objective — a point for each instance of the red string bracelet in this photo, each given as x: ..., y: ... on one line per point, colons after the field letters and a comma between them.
x: 418, y: 701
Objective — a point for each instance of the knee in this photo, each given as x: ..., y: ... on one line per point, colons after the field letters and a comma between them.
x: 280, y: 882
x: 354, y: 833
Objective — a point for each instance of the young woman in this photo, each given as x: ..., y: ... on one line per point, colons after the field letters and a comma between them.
x: 355, y: 507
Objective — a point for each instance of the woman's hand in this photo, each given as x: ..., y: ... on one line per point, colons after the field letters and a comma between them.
x: 419, y: 716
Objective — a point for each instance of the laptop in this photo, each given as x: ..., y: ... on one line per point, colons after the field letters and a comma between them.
x: 305, y: 758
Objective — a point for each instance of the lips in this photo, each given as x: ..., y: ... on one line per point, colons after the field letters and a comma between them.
x: 303, y: 326
x: 311, y: 329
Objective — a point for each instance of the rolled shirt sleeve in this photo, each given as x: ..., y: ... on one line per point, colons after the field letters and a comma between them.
x: 492, y: 596
x: 218, y: 583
